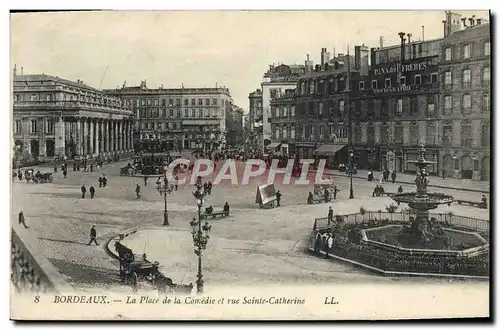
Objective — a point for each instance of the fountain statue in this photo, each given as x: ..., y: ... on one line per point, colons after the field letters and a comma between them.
x: 421, y: 201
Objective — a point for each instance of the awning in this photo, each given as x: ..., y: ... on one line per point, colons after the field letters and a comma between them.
x: 328, y: 149
x: 274, y: 145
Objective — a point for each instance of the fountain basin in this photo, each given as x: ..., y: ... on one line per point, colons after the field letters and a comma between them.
x: 430, y: 199
x: 397, y: 238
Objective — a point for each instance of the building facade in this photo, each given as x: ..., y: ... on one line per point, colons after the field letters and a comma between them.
x: 283, y: 123
x: 177, y: 118
x: 276, y: 80
x: 55, y: 117
x: 234, y: 126
x: 395, y: 107
x: 255, y: 118
x: 466, y: 101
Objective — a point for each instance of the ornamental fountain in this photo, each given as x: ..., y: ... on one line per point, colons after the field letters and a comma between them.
x: 421, y: 201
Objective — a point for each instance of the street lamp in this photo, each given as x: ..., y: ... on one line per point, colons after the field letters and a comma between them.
x: 165, y: 190
x: 200, y: 234
x: 351, y: 154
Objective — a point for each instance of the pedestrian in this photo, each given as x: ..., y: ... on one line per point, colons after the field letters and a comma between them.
x: 138, y: 191
x: 74, y: 167
x: 278, y: 198
x: 93, y: 235
x: 100, y: 182
x: 104, y: 181
x: 317, y: 243
x: 381, y: 178
x: 226, y: 209
x: 176, y: 181
x: 55, y: 168
x: 209, y: 185
x: 443, y: 173
x: 91, y: 167
x: 145, y: 180
x: 330, y: 215
x: 78, y: 167
x: 335, y: 191
x: 326, y: 194
x: 92, y: 191
x: 205, y: 188
x: 20, y: 175
x: 393, y: 176
x: 65, y: 173
x: 22, y: 221
x: 400, y: 189
x: 158, y: 185
x: 84, y: 190
x: 310, y: 198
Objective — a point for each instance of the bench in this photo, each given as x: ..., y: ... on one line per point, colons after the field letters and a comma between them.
x: 320, y: 200
x: 384, y: 194
x: 214, y: 215
x: 480, y: 205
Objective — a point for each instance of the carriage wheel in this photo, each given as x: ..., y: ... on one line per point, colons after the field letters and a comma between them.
x: 135, y: 281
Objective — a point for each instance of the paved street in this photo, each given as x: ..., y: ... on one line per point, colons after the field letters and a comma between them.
x: 251, y: 246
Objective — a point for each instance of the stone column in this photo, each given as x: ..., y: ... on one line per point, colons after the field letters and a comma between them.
x: 78, y: 137
x: 115, y: 136
x: 123, y: 130
x: 42, y: 144
x: 130, y: 137
x: 97, y: 137
x: 108, y: 136
x: 91, y: 135
x: 60, y: 137
x: 85, y: 137
x: 120, y: 137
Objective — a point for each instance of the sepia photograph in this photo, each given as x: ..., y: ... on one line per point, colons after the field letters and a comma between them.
x: 250, y: 164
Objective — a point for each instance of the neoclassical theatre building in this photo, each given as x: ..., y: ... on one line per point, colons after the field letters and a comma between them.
x: 55, y: 117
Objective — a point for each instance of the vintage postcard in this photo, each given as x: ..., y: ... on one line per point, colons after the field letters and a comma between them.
x: 250, y: 165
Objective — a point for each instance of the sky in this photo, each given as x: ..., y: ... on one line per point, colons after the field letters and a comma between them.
x: 199, y: 48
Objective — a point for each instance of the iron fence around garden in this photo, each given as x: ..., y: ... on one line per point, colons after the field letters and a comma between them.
x: 450, y: 218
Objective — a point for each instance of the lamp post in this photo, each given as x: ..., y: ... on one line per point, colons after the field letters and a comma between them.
x: 351, y: 154
x: 165, y: 190
x: 200, y: 234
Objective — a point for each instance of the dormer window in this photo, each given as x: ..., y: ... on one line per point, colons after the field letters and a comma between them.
x: 402, y: 81
x: 387, y: 82
x: 361, y: 85
x: 374, y: 84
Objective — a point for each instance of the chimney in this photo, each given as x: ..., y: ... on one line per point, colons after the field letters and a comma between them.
x: 471, y: 21
x: 445, y: 34
x: 478, y: 21
x: 15, y: 69
x: 402, y: 37
x: 463, y: 19
x: 357, y: 57
x: 22, y: 71
x: 381, y: 41
x: 423, y: 35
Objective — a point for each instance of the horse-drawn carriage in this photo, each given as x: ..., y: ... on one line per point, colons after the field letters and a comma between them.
x: 137, y: 268
x: 41, y: 177
x: 126, y: 171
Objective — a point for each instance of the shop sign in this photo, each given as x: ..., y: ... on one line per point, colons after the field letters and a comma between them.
x: 395, y: 89
x: 400, y: 68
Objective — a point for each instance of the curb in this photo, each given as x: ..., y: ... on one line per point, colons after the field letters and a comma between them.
x: 394, y: 273
x: 121, y: 236
x: 410, y: 183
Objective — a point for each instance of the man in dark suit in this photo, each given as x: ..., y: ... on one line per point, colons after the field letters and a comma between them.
x: 22, y: 221
x: 93, y: 235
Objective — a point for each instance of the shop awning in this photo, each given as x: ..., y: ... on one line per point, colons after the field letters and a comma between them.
x: 273, y: 145
x: 328, y: 149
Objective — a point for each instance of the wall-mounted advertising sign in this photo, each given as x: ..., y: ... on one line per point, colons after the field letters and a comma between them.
x: 395, y: 89
x: 400, y: 68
